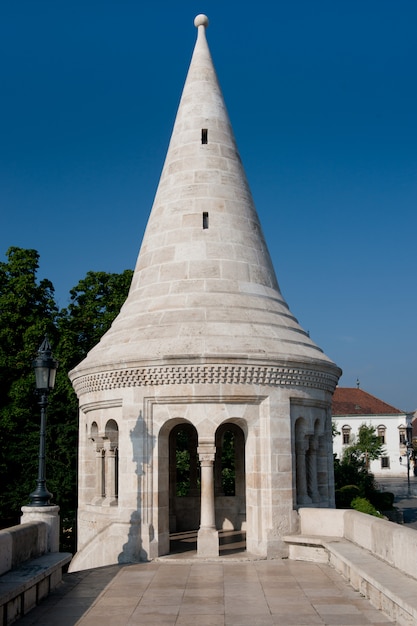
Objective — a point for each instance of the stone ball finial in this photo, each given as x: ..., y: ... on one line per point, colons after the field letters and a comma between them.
x: 201, y: 20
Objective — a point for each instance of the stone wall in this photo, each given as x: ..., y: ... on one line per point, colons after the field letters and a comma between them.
x: 21, y: 543
x: 392, y: 543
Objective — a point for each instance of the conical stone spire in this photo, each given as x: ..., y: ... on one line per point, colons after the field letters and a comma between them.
x: 204, y: 288
x: 206, y: 345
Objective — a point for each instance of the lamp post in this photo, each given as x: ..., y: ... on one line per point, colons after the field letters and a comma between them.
x: 45, y: 367
x: 409, y: 430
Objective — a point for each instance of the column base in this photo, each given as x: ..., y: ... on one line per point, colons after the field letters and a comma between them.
x: 207, y: 542
x: 49, y: 515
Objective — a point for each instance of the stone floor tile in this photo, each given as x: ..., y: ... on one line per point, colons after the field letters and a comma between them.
x: 162, y: 610
x: 346, y: 620
x: 292, y: 603
x: 248, y: 620
x: 236, y: 605
x: 138, y: 621
x: 339, y: 608
x: 110, y: 620
x: 257, y: 593
x: 286, y: 609
x: 375, y: 617
x: 203, y: 609
x: 117, y: 612
x: 197, y: 619
x: 196, y: 600
x: 161, y: 600
x: 296, y: 620
x: 200, y: 587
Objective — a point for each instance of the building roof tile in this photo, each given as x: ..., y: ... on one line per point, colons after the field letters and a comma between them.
x: 354, y: 401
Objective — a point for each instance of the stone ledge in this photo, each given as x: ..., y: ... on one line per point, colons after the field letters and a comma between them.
x: 387, y: 588
x: 235, y: 374
x: 22, y: 588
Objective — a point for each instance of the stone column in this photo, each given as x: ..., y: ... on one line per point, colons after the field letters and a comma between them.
x: 100, y: 487
x: 322, y: 472
x: 50, y: 516
x: 301, y: 471
x: 110, y: 476
x: 312, y: 488
x: 207, y: 537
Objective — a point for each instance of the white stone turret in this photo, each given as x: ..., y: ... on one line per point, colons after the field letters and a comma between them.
x: 204, y: 285
x: 206, y: 333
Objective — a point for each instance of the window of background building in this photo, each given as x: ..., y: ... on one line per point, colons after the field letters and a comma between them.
x: 346, y: 430
x: 381, y: 433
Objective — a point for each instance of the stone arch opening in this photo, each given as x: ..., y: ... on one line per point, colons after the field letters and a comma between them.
x: 301, y: 462
x: 229, y: 477
x: 184, y: 479
x: 111, y: 477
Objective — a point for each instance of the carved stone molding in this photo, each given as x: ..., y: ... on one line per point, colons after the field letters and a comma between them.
x: 206, y: 453
x: 275, y: 376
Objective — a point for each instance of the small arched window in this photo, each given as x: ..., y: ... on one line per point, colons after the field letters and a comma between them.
x: 112, y: 482
x: 381, y: 430
x: 346, y: 433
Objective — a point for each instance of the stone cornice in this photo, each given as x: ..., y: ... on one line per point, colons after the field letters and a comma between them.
x: 234, y: 374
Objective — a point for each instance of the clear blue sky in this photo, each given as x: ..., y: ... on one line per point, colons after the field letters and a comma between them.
x: 323, y: 101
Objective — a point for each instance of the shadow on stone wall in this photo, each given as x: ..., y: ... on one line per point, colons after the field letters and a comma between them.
x: 142, y: 446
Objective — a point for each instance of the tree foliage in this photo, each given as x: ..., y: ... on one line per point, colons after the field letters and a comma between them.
x: 27, y: 311
x: 364, y: 506
x: 366, y: 447
x: 354, y: 481
x: 95, y: 302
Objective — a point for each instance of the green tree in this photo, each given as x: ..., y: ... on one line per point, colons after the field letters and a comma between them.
x: 364, y: 506
x: 27, y: 311
x: 334, y: 429
x: 95, y: 302
x: 368, y: 445
x: 352, y: 478
x: 352, y: 475
x: 228, y: 464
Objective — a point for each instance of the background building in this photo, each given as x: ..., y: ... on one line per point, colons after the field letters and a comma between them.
x: 353, y: 407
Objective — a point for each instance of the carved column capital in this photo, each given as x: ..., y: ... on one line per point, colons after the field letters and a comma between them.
x: 206, y: 454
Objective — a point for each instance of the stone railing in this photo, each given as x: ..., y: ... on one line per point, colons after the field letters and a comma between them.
x: 378, y: 557
x: 29, y: 570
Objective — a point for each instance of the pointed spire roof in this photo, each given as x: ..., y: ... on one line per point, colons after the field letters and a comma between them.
x: 204, y: 286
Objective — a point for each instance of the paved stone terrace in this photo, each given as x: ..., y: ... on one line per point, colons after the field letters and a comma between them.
x: 224, y: 593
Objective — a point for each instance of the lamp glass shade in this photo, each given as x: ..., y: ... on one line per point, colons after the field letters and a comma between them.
x: 45, y: 367
x: 45, y: 377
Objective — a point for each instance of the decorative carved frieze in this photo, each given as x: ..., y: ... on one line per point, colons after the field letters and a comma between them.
x: 206, y: 374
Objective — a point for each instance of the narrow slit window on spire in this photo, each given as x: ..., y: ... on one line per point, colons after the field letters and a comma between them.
x: 204, y: 135
x: 205, y: 220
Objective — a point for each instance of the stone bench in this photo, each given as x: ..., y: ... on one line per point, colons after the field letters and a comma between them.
x: 363, y: 550
x: 21, y: 589
x: 28, y: 571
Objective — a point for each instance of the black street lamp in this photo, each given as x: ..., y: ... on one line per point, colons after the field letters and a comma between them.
x: 409, y: 430
x: 45, y: 367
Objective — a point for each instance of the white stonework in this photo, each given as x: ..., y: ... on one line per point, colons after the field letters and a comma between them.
x: 204, y: 341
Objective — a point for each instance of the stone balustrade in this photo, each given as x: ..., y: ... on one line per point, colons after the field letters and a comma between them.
x: 377, y: 557
x: 29, y: 570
